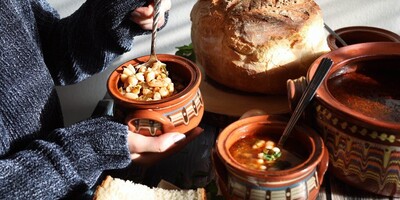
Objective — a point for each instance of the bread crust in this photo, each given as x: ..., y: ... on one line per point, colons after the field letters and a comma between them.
x: 201, y: 194
x: 256, y: 45
x: 99, y: 190
x: 112, y: 188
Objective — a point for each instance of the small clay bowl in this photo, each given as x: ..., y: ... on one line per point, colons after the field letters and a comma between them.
x: 180, y: 112
x: 300, y: 181
x: 357, y: 111
x: 361, y: 34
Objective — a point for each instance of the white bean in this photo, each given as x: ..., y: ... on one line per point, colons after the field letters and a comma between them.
x: 157, y: 96
x: 155, y: 83
x: 170, y: 87
x: 164, y: 92
x: 150, y: 76
x: 130, y: 67
x: 132, y: 80
x: 127, y: 72
x: 140, y: 76
x: 131, y: 96
x: 142, y: 68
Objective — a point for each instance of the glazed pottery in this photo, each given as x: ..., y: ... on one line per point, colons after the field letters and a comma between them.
x: 180, y: 112
x: 357, y: 111
x: 301, y: 181
x: 361, y: 34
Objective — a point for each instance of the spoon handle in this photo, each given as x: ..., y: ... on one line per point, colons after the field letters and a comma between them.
x: 307, y: 96
x: 335, y: 35
x: 156, y: 17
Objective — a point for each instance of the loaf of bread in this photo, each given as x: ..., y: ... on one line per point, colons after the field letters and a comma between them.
x: 256, y: 45
x: 118, y: 189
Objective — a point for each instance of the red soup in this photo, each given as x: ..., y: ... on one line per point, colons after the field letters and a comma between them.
x: 370, y: 87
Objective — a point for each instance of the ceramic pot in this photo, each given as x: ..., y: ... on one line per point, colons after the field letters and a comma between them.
x: 357, y: 111
x: 180, y: 112
x: 361, y: 34
x: 301, y: 181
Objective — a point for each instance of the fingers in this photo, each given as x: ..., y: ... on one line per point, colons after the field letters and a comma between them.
x: 139, y: 143
x: 143, y: 16
x: 149, y: 158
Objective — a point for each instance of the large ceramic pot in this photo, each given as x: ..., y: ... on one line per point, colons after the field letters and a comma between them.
x: 361, y: 34
x: 180, y: 112
x: 357, y: 111
x: 301, y: 181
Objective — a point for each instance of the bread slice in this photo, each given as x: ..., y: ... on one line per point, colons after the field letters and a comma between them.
x: 118, y: 189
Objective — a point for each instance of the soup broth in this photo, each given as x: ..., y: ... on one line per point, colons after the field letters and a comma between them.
x: 246, y: 152
x: 372, y: 90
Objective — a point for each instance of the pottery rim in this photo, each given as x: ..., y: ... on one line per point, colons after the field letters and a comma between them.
x: 374, y: 34
x: 193, y: 81
x: 292, y: 174
x: 352, y: 54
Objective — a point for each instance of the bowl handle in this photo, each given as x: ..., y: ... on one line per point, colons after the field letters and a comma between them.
x: 323, y: 165
x: 295, y: 89
x: 149, y: 128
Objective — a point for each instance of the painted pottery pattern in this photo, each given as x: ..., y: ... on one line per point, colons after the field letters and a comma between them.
x: 187, y: 112
x: 377, y: 162
x: 151, y: 126
x: 349, y: 128
x: 180, y: 116
x: 299, y: 190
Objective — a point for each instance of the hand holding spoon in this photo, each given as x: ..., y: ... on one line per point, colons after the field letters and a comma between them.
x: 156, y: 16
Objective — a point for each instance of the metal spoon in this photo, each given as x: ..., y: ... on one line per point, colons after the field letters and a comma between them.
x: 320, y: 73
x: 335, y: 35
x: 156, y: 15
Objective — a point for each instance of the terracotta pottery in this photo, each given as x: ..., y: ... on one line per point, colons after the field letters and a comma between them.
x: 357, y: 111
x: 361, y: 34
x: 180, y: 112
x: 301, y: 181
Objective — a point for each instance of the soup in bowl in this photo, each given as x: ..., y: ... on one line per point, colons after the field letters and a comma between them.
x: 296, y: 173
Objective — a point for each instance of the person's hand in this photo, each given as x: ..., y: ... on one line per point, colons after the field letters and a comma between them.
x: 143, y: 16
x: 147, y: 150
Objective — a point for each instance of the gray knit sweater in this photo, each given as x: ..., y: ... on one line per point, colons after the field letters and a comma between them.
x: 39, y: 158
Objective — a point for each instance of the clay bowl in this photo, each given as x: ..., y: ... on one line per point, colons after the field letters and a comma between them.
x: 180, y: 112
x: 361, y: 34
x: 301, y: 181
x: 357, y: 111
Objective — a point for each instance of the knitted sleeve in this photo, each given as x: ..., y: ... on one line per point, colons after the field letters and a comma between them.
x: 83, y: 43
x: 67, y: 163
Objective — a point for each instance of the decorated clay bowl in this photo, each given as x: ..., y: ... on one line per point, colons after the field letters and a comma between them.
x: 361, y: 34
x: 180, y: 112
x: 357, y: 111
x: 238, y: 180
